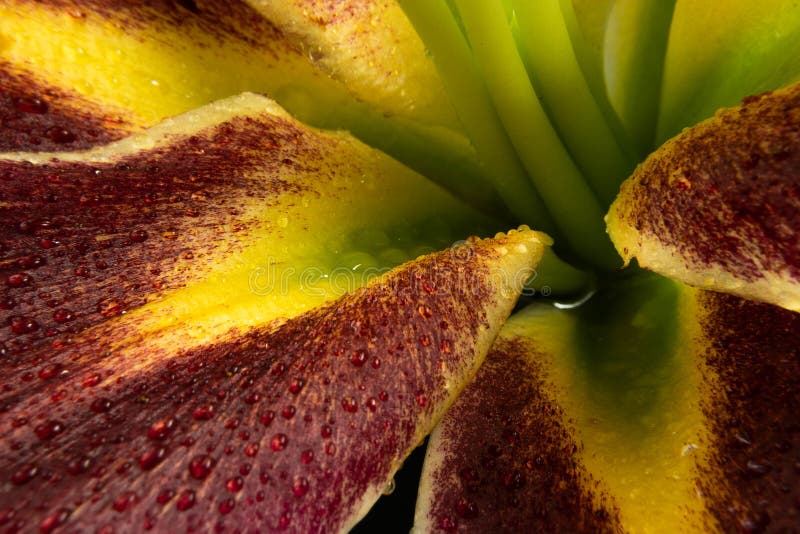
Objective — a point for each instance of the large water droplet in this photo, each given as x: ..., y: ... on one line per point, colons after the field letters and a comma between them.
x: 234, y: 484
x: 300, y: 487
x: 161, y: 429
x: 349, y: 404
x: 200, y: 466
x: 186, y: 500
x: 48, y: 429
x: 24, y: 474
x: 278, y: 442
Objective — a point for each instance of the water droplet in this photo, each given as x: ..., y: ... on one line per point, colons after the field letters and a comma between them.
x: 138, y: 236
x: 54, y: 520
x: 79, y: 465
x: 358, y: 358
x: 296, y: 385
x: 19, y: 280
x: 200, y: 466
x: 307, y: 456
x: 278, y: 442
x: 152, y: 458
x: 125, y: 501
x: 466, y: 508
x: 91, y: 381
x: 349, y: 404
x: 263, y: 477
x: 285, y: 520
x: 251, y: 449
x: 62, y: 315
x: 227, y: 506
x: 100, y: 405
x: 50, y: 371
x: 288, y: 412
x: 33, y: 105
x: 330, y: 448
x: 161, y: 429
x: 203, y: 413
x: 22, y: 325
x: 267, y: 417
x: 48, y: 429
x: 300, y: 487
x: 24, y: 474
x: 186, y: 500
x: 165, y: 496
x: 326, y: 431
x: 124, y: 468
x: 372, y: 404
x: 234, y: 484
x: 390, y: 487
x: 60, y: 135
x: 232, y: 423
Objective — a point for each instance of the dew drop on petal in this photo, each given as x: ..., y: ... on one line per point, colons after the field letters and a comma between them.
x: 125, y: 501
x: 349, y: 404
x: 200, y: 466
x: 300, y: 487
x: 165, y: 496
x: 278, y: 442
x: 54, y: 520
x: 251, y: 449
x: 227, y: 506
x: 24, y: 474
x: 185, y: 501
x: 234, y: 484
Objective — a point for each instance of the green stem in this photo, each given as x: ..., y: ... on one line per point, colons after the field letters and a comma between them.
x: 576, y: 211
x: 551, y: 63
x: 635, y: 49
x: 443, y: 37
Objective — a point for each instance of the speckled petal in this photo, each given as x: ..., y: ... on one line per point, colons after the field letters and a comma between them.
x: 718, y: 206
x: 296, y: 427
x: 677, y: 412
x: 233, y: 203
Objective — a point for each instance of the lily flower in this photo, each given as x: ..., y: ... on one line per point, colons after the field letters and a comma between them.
x: 254, y: 253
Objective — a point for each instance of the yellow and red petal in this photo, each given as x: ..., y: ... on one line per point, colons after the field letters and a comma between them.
x: 229, y: 216
x: 298, y: 426
x: 129, y: 65
x: 674, y: 412
x: 717, y: 207
x: 371, y: 47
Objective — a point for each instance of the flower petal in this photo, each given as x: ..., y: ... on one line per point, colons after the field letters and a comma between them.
x: 136, y: 63
x: 372, y: 48
x: 677, y: 411
x: 719, y: 54
x: 229, y: 216
x: 297, y: 427
x: 718, y: 206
